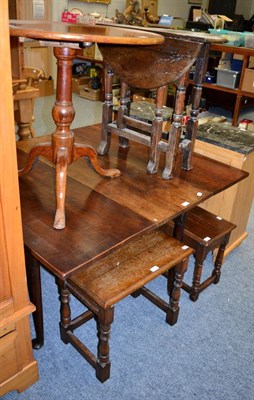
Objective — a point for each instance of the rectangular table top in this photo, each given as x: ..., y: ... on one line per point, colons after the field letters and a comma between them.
x: 102, y: 213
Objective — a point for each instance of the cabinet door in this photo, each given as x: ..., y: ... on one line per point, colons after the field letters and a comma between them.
x: 18, y: 367
x: 29, y: 9
x: 33, y: 55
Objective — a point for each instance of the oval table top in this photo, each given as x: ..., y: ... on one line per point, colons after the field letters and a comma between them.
x: 184, y: 34
x: 62, y: 31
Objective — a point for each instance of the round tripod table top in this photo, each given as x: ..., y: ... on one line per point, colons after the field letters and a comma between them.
x: 80, y: 33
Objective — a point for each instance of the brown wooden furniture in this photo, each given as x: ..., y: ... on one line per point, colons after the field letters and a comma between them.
x: 62, y: 150
x: 18, y: 368
x: 233, y: 204
x: 240, y: 94
x: 104, y: 283
x: 24, y: 111
x: 149, y: 68
x: 205, y: 232
x: 33, y: 53
x: 27, y: 54
x: 25, y: 95
x: 104, y: 215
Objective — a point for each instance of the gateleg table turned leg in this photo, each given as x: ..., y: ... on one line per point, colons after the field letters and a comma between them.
x: 105, y: 319
x: 62, y: 150
x: 219, y: 259
x: 107, y: 114
x: 192, y: 123
x: 156, y: 132
x: 175, y: 280
x: 175, y: 130
x: 34, y: 289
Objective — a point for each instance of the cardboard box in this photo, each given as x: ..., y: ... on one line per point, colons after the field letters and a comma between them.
x: 45, y: 86
x: 250, y: 127
x: 243, y: 124
x: 248, y: 80
x: 251, y: 62
x: 137, y: 98
x: 90, y: 94
x: 77, y: 81
x: 92, y: 52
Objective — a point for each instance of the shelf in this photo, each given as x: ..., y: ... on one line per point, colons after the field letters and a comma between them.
x: 238, y: 92
x: 232, y: 49
x: 214, y: 86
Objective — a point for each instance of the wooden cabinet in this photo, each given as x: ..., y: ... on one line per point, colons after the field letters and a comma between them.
x: 38, y: 56
x: 18, y: 369
x: 151, y: 4
x: 34, y: 55
x: 234, y: 204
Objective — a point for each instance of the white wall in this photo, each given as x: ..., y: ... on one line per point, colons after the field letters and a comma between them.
x: 106, y: 10
x: 177, y: 8
x: 245, y: 8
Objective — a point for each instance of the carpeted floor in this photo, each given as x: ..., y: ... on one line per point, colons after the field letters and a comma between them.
x: 90, y: 112
x: 207, y: 355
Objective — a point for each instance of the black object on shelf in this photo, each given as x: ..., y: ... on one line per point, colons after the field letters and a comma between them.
x: 198, y: 26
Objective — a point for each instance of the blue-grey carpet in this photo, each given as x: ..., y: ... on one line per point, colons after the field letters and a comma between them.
x: 207, y: 355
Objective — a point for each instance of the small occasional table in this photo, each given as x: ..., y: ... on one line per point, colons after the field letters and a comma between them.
x: 155, y: 68
x: 66, y: 40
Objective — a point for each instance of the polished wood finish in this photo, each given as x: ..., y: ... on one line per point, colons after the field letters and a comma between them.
x: 155, y: 68
x: 204, y: 232
x: 166, y: 63
x: 62, y: 150
x: 104, y: 283
x: 18, y: 367
x: 104, y: 215
x: 80, y: 33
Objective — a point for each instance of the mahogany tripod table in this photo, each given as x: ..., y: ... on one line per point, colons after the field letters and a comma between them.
x: 66, y: 40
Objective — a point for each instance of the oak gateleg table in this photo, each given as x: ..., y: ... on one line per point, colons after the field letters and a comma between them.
x: 66, y: 39
x: 154, y: 68
x: 103, y: 215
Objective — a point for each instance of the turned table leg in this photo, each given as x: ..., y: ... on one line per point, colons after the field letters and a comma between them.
x: 34, y: 289
x: 175, y: 130
x: 105, y: 319
x: 107, y: 114
x: 192, y: 123
x: 24, y: 118
x: 62, y: 150
x: 174, y: 291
